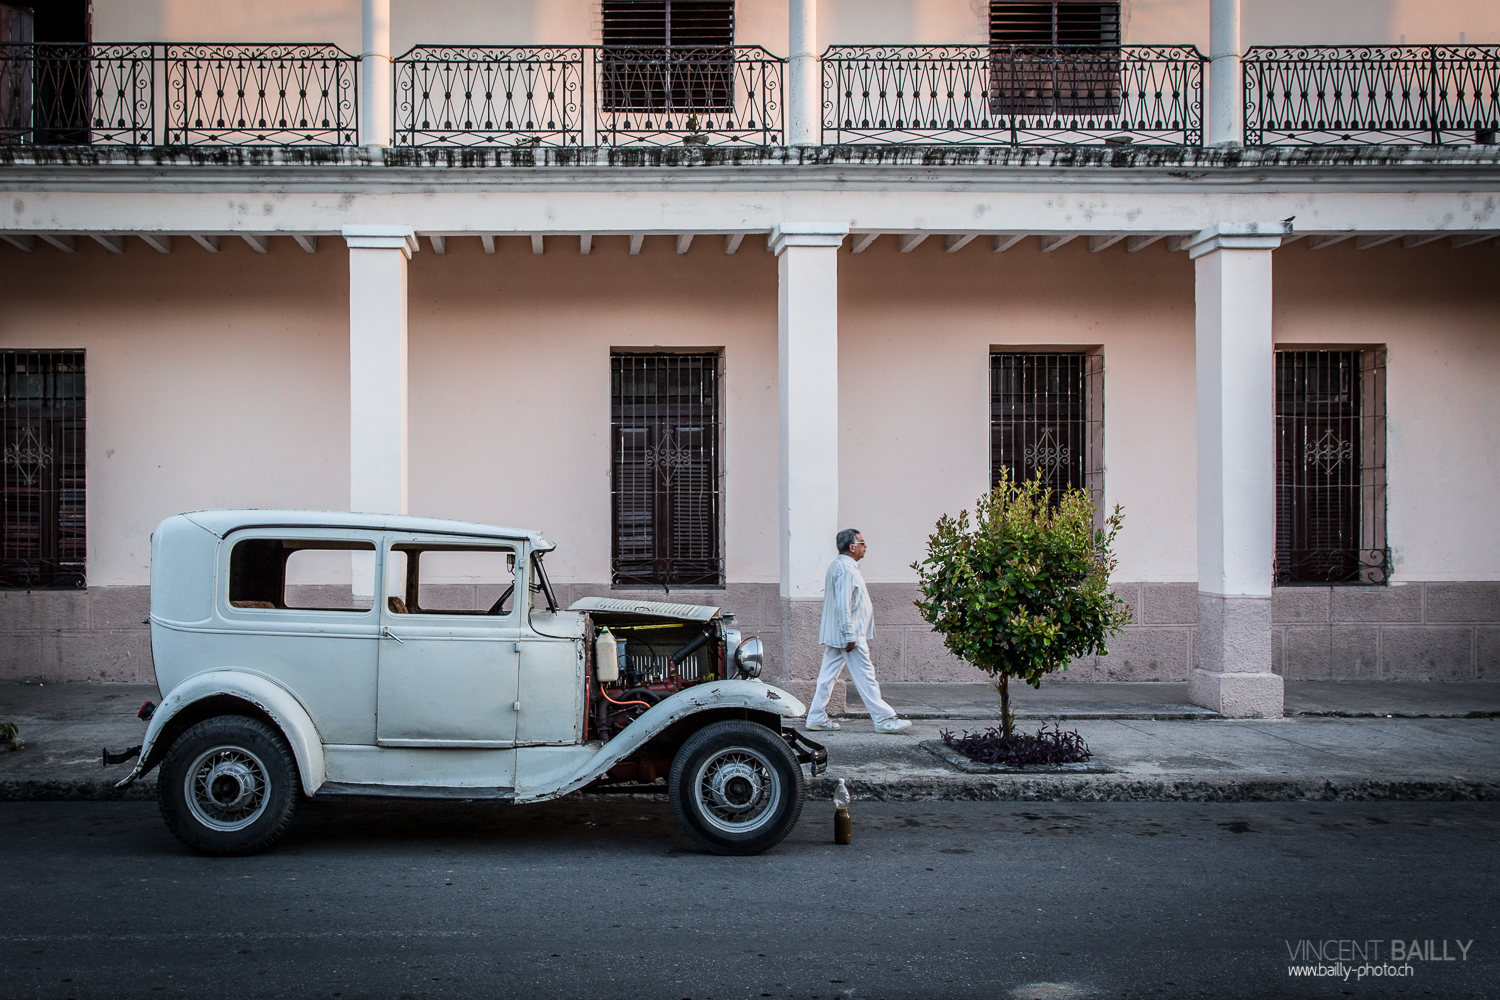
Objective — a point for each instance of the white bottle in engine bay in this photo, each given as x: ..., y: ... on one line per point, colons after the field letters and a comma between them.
x: 606, y: 657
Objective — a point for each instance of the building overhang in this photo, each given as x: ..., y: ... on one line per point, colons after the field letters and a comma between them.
x: 1121, y: 198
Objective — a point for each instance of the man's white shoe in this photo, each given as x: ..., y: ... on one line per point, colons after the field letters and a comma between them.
x: 892, y: 725
x: 826, y: 726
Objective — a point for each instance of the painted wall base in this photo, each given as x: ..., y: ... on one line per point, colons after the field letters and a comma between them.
x: 1232, y: 675
x: 1237, y: 695
x: 1412, y: 632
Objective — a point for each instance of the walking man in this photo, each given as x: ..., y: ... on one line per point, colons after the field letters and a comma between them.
x: 847, y: 628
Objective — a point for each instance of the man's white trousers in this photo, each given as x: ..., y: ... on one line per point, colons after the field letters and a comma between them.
x: 861, y: 671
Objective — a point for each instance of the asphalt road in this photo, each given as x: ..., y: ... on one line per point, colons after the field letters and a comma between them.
x: 611, y: 900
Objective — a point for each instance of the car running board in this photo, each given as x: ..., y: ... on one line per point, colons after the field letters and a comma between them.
x: 448, y: 793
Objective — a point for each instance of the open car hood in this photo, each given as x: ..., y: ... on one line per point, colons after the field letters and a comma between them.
x: 651, y: 609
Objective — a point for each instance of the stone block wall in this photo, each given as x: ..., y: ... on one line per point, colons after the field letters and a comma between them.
x: 1412, y: 632
x: 76, y: 635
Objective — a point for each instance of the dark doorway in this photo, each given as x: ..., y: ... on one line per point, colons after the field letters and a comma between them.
x: 45, y: 74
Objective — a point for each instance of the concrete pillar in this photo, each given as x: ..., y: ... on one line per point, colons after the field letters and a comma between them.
x: 1236, y: 469
x: 375, y: 94
x: 377, y: 366
x: 1226, y: 101
x: 804, y: 83
x: 808, y: 392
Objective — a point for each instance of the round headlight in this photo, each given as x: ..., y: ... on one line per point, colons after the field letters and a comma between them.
x: 747, y: 659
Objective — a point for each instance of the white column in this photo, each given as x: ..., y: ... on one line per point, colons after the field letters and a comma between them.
x: 808, y: 390
x: 804, y: 83
x: 377, y: 366
x: 375, y: 93
x: 1226, y: 111
x: 1236, y: 469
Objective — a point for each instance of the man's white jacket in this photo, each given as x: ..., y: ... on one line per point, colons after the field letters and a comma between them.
x: 848, y: 614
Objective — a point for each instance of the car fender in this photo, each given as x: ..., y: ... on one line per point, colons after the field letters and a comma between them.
x: 754, y: 695
x: 257, y: 689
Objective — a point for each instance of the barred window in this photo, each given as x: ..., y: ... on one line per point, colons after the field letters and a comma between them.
x: 666, y: 470
x: 1330, y: 467
x: 667, y: 55
x: 1047, y: 419
x: 1055, y: 57
x: 42, y: 427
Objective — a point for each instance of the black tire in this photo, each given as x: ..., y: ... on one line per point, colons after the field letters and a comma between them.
x: 736, y: 787
x: 228, y: 786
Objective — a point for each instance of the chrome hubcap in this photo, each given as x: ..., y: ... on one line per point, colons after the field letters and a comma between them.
x: 226, y: 788
x: 737, y: 790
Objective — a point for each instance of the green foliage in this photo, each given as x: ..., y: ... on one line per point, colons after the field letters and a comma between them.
x: 1025, y: 588
x: 8, y: 736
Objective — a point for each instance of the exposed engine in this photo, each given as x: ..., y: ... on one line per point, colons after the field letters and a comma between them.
x: 637, y: 659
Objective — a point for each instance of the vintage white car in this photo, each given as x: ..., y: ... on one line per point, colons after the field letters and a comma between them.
x: 323, y: 654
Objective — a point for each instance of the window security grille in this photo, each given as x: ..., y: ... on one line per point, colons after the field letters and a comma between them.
x: 1330, y: 467
x: 1055, y: 57
x: 666, y: 469
x: 667, y: 55
x: 1047, y: 419
x: 42, y: 429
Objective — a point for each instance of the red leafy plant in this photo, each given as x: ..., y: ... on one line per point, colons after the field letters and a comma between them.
x: 993, y: 746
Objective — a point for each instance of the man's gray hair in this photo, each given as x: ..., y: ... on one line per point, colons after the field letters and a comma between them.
x: 846, y: 539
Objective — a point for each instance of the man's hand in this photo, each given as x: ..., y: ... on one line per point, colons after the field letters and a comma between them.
x: 850, y: 648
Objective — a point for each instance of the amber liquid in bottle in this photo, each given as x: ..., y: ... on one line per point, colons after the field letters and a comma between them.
x: 842, y: 827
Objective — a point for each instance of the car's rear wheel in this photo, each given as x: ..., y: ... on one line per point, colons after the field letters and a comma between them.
x: 736, y: 787
x: 228, y: 786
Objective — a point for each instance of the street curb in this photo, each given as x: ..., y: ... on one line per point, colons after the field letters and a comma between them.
x: 970, y: 788
x: 994, y: 717
x: 1001, y: 788
x: 76, y: 790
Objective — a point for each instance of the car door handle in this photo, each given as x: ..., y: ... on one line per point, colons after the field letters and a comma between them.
x: 386, y: 633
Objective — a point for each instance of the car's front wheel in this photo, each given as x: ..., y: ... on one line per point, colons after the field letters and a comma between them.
x: 228, y: 786
x: 736, y: 787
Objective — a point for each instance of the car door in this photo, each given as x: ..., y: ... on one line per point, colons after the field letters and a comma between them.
x: 552, y: 671
x: 449, y: 658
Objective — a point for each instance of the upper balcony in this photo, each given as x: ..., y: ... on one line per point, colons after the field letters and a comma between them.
x: 175, y: 95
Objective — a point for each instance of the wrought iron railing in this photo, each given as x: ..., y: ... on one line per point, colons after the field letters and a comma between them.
x: 192, y: 94
x: 1436, y: 95
x: 477, y: 95
x: 56, y: 93
x: 149, y: 94
x: 692, y: 96
x: 252, y: 94
x: 1013, y: 94
x: 535, y: 95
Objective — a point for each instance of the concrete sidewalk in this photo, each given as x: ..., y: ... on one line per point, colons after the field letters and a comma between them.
x: 1339, y: 740
x: 1073, y: 701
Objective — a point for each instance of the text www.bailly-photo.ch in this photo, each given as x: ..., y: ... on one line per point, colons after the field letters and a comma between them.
x: 1336, y: 958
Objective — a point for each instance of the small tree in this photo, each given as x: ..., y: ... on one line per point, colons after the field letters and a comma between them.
x: 1026, y: 588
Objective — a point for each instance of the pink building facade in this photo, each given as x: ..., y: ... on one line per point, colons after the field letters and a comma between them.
x: 690, y: 351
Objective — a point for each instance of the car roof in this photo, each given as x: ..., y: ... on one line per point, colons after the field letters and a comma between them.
x: 222, y: 522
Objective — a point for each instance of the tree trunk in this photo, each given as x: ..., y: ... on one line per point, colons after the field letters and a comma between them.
x: 1005, y: 720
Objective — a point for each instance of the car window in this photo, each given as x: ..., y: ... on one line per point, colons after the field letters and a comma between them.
x: 301, y: 574
x: 450, y: 580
